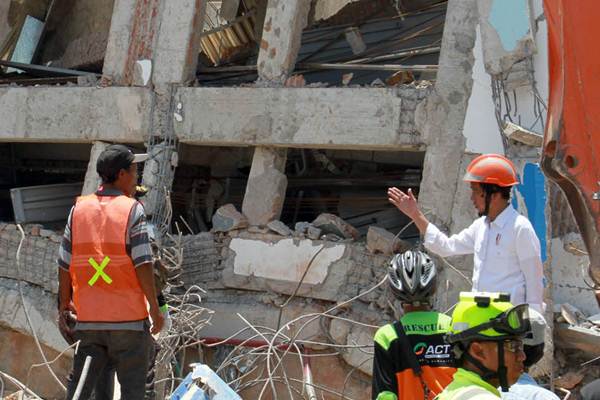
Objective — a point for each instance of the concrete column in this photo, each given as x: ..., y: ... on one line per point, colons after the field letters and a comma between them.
x: 282, y: 34
x: 92, y: 179
x: 164, y: 33
x: 130, y: 39
x: 177, y: 47
x: 440, y: 118
x: 267, y: 183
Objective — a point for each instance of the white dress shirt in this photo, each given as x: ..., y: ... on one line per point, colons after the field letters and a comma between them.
x: 506, y: 255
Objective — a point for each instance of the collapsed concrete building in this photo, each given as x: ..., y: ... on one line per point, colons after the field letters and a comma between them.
x: 262, y: 116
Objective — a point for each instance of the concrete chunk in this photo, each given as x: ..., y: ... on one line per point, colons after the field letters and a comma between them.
x: 380, y: 240
x: 228, y: 218
x: 301, y: 227
x: 313, y: 233
x: 279, y: 227
x: 330, y: 223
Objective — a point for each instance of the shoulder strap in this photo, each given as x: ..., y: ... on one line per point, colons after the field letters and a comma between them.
x: 412, y: 358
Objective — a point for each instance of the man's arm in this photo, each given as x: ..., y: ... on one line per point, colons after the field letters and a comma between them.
x: 64, y: 289
x: 433, y: 239
x: 530, y: 263
x: 145, y: 276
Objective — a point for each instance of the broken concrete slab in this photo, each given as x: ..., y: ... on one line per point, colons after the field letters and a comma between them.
x: 45, y: 114
x: 578, y: 338
x: 266, y: 187
x: 41, y: 306
x: 329, y: 223
x: 522, y: 135
x: 342, y: 118
x: 227, y: 218
x: 380, y: 240
x: 279, y: 227
x: 263, y: 260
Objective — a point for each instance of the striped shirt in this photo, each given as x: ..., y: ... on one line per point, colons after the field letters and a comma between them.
x: 137, y: 245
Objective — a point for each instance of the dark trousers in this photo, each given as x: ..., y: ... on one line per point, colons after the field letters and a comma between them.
x: 127, y: 351
x: 105, y: 385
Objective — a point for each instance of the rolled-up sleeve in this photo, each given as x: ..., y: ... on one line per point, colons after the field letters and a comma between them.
x: 530, y: 263
x: 444, y: 246
x: 138, y: 241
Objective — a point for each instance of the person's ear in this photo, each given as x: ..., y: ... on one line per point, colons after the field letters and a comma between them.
x: 477, y: 351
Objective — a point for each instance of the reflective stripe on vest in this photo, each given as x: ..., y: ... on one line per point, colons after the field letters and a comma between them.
x: 105, y: 284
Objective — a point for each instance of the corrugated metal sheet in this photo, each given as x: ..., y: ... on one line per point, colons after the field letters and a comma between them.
x: 44, y: 203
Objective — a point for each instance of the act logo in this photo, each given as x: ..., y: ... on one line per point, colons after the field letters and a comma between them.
x: 419, y: 348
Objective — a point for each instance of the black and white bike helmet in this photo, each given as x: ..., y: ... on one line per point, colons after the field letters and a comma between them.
x: 412, y: 277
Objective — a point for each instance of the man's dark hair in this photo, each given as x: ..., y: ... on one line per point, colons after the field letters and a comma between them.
x: 491, y: 188
x: 112, y: 160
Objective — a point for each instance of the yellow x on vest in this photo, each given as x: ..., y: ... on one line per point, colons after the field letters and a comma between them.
x: 99, y: 271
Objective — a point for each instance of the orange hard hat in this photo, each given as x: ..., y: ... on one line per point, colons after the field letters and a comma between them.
x: 493, y: 169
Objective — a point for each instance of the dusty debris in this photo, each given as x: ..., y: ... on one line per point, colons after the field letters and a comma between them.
x: 330, y: 223
x: 279, y: 227
x: 380, y: 240
x: 569, y: 380
x: 227, y: 218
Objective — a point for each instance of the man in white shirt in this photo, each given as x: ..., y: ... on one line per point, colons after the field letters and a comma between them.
x: 505, y: 248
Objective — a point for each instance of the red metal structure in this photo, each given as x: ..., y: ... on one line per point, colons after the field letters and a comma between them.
x: 572, y: 137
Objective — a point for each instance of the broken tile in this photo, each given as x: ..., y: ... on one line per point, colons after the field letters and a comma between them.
x: 279, y: 227
x: 330, y: 223
x: 228, y: 218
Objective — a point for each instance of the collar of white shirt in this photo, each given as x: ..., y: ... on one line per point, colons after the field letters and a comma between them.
x: 504, y: 216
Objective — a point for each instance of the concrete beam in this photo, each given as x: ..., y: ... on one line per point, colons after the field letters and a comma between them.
x: 282, y: 33
x: 74, y: 114
x: 340, y: 118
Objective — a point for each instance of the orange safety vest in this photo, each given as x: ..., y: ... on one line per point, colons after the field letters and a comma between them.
x: 105, y: 285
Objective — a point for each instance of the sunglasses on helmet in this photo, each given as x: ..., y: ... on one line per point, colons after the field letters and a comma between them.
x: 512, y: 322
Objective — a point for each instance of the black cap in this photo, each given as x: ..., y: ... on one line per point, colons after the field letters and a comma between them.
x: 115, y: 158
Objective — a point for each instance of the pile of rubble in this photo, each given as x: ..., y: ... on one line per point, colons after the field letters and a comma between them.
x: 577, y: 355
x: 326, y: 227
